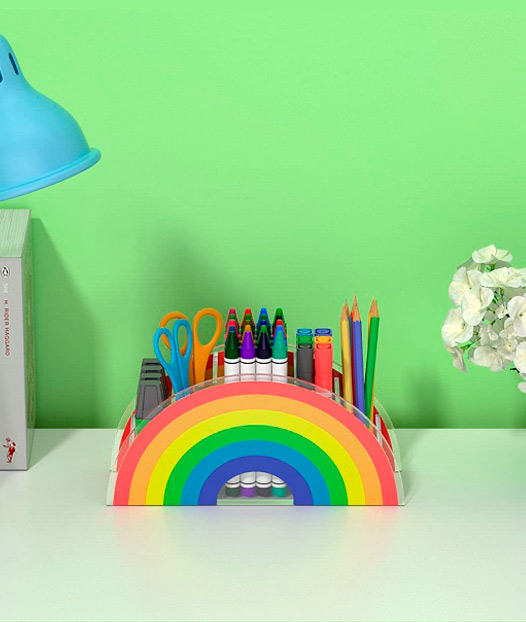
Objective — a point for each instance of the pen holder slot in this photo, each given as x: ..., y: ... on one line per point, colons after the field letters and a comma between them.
x: 186, y: 449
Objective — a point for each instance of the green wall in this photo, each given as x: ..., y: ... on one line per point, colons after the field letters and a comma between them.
x: 274, y: 157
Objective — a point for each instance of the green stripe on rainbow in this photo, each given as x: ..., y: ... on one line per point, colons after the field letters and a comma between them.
x: 182, y: 470
x: 153, y: 469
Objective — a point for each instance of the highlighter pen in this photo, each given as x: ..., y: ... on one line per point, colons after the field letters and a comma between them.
x: 323, y: 366
x: 305, y: 362
x: 279, y: 356
x: 304, y: 331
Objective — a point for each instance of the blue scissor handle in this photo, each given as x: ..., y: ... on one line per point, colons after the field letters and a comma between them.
x: 183, y: 361
x: 171, y: 367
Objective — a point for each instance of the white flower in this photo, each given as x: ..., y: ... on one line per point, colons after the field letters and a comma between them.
x: 507, y: 348
x: 522, y: 385
x: 519, y: 360
x: 517, y: 313
x: 507, y: 330
x: 488, y: 335
x: 490, y: 255
x: 455, y: 330
x: 458, y: 358
x: 502, y: 277
x: 464, y: 281
x: 474, y: 305
x: 486, y: 356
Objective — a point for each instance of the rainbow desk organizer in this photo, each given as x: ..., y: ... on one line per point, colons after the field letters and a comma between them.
x: 326, y: 451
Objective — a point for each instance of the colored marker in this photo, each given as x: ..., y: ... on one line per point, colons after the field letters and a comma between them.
x: 304, y: 339
x: 357, y: 351
x: 323, y: 331
x: 323, y: 365
x: 232, y: 359
x: 264, y: 355
x: 305, y: 362
x: 279, y: 356
x: 304, y: 331
x: 322, y: 339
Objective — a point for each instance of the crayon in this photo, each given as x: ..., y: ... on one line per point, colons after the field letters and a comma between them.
x: 305, y: 362
x: 357, y: 360
x: 232, y: 360
x: 345, y: 338
x: 248, y: 484
x: 372, y: 343
x: 248, y: 369
x: 263, y: 372
x: 231, y: 324
x: 232, y: 315
x: 283, y: 326
x: 248, y: 355
x: 248, y: 319
x: 263, y: 318
x: 279, y: 315
x: 264, y: 354
x: 279, y: 355
x: 323, y: 365
x: 279, y: 487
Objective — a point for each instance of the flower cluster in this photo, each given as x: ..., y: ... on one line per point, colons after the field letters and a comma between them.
x: 489, y: 318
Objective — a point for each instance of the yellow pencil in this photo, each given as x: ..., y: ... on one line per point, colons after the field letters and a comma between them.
x: 345, y: 339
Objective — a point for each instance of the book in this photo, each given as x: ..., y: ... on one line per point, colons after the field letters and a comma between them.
x: 17, y: 361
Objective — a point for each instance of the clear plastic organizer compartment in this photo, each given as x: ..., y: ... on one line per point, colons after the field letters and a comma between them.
x: 380, y: 426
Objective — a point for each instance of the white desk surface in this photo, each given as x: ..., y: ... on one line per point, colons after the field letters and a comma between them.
x: 456, y: 551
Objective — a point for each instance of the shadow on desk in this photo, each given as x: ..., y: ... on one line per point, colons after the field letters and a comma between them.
x: 45, y: 444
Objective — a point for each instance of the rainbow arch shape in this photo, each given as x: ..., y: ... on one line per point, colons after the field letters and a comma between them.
x: 185, y: 454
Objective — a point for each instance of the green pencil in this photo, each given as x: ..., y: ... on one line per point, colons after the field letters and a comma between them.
x: 372, y: 344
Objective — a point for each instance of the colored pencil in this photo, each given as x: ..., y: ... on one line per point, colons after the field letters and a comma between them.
x: 345, y: 338
x: 372, y: 344
x: 358, y: 382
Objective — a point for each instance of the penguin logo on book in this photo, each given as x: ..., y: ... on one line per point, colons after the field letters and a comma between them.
x: 11, y: 448
x: 5, y: 271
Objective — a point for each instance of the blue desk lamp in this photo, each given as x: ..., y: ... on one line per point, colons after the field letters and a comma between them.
x: 40, y: 143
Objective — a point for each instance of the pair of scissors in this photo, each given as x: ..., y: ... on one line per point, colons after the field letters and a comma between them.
x: 200, y: 352
x: 178, y: 367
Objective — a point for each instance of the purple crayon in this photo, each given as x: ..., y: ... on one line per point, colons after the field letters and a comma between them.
x: 248, y: 372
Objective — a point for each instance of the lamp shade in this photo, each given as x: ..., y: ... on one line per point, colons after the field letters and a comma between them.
x: 40, y: 142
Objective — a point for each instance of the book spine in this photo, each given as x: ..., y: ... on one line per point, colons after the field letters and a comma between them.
x: 13, y: 374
